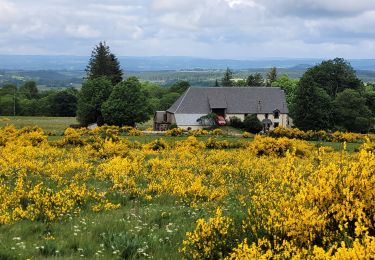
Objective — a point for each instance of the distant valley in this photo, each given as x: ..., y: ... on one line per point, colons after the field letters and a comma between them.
x: 65, y: 71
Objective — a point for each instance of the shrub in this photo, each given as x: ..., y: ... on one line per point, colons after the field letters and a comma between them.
x: 215, y: 144
x: 252, y: 124
x: 236, y: 122
x: 126, y: 129
x: 158, y: 144
x: 135, y: 132
x: 175, y: 132
x: 107, y: 132
x: 209, y: 240
x: 320, y: 135
x: 198, y: 132
x: 73, y: 137
x: 269, y: 146
x: 246, y: 135
x: 217, y: 131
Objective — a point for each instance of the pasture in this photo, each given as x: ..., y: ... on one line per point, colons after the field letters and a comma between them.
x: 98, y: 194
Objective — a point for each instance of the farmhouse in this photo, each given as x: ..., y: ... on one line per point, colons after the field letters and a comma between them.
x: 268, y: 103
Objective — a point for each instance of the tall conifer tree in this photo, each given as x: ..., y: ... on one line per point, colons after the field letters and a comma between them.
x: 104, y: 64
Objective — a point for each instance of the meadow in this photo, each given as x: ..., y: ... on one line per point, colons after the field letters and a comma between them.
x: 51, y: 125
x: 103, y: 194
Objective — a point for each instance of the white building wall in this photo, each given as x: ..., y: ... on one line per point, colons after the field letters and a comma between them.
x: 282, y: 120
x: 186, y: 121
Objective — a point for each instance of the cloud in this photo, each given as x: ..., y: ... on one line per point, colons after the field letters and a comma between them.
x: 7, y: 11
x: 207, y: 28
x: 82, y: 31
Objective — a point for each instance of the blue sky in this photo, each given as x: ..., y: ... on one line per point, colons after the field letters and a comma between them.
x: 237, y: 29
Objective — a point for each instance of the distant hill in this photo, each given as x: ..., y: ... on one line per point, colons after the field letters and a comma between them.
x: 68, y: 71
x: 73, y: 63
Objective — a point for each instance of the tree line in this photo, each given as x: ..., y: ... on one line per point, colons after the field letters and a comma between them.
x: 103, y: 98
x: 106, y: 98
x: 27, y: 100
x: 328, y: 96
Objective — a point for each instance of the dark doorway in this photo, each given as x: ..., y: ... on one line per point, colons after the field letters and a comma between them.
x: 218, y: 111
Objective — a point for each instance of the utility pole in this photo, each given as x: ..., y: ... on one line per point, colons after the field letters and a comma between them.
x: 14, y: 101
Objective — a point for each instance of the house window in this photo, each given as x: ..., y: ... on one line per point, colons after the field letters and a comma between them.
x: 165, y: 117
x: 275, y: 125
x: 266, y: 116
x: 246, y: 115
x: 276, y: 114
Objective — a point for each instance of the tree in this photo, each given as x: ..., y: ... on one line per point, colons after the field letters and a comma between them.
x: 271, y: 76
x: 104, y: 63
x: 126, y: 105
x: 216, y: 83
x: 29, y: 107
x: 8, y: 89
x: 29, y: 90
x: 289, y: 86
x: 9, y: 103
x: 335, y: 76
x: 90, y: 99
x: 180, y: 86
x: 370, y: 102
x: 252, y: 124
x: 255, y: 80
x: 168, y: 99
x: 312, y: 108
x: 351, y: 112
x: 63, y: 103
x: 240, y: 83
x: 227, y: 79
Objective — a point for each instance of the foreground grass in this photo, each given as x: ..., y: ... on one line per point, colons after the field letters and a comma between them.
x: 139, y: 229
x: 92, y: 197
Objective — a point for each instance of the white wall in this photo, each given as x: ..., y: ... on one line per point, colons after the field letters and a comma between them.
x: 282, y: 120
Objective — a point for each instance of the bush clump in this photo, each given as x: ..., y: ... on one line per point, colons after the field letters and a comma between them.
x: 269, y: 146
x: 252, y: 124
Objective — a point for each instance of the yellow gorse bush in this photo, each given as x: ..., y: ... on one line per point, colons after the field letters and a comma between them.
x: 275, y: 198
x: 320, y: 135
x: 174, y: 132
x: 209, y: 239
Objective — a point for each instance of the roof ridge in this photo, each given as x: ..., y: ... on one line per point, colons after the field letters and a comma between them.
x: 182, y: 99
x: 244, y: 87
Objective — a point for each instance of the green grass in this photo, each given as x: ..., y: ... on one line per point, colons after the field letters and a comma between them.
x: 350, y: 147
x: 171, y: 139
x: 146, y: 125
x: 138, y: 229
x: 53, y: 125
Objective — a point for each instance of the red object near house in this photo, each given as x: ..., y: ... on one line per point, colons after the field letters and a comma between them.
x: 220, y: 120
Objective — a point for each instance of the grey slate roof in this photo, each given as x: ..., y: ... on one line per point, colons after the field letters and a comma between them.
x: 237, y: 100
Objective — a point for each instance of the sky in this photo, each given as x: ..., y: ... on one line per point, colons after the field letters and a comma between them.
x: 234, y: 29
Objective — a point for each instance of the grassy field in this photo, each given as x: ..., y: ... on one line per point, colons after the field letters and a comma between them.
x: 91, y: 197
x: 131, y: 232
x: 53, y: 125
